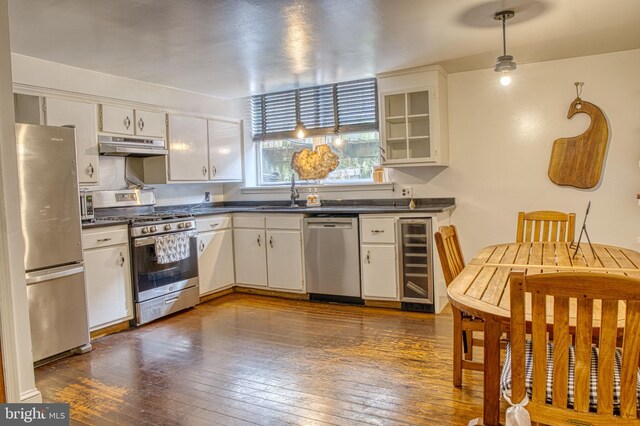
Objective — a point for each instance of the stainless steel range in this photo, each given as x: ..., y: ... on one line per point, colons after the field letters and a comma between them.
x: 161, y: 286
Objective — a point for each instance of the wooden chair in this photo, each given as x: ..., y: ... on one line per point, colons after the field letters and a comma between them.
x: 545, y: 226
x: 567, y: 288
x: 464, y: 325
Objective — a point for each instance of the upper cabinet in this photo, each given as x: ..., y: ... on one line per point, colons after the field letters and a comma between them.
x: 200, y: 150
x: 127, y: 121
x: 188, y: 153
x: 225, y: 150
x: 413, y: 117
x: 82, y: 115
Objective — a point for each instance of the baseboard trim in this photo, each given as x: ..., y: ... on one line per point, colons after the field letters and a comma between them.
x: 115, y: 328
x: 272, y: 293
x: 211, y: 296
x: 32, y: 396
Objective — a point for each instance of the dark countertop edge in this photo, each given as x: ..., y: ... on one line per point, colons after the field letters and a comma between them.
x: 429, y: 205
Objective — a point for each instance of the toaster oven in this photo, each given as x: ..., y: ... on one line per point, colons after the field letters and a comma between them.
x: 86, y: 206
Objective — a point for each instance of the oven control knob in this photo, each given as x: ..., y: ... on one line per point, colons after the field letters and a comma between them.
x: 145, y: 230
x: 167, y: 227
x: 180, y: 225
x: 153, y: 229
x: 188, y: 224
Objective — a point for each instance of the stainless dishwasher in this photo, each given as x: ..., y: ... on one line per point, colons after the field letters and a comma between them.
x: 332, y: 258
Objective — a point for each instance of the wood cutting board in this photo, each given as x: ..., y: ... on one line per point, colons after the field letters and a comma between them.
x: 578, y: 161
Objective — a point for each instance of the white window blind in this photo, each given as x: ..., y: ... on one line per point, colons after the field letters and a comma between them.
x: 333, y: 108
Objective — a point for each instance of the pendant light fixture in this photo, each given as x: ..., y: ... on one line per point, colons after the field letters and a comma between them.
x: 300, y: 131
x: 505, y: 62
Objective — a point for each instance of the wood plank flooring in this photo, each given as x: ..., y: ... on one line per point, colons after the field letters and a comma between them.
x: 245, y: 359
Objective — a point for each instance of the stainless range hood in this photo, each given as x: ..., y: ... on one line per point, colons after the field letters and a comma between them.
x: 123, y: 146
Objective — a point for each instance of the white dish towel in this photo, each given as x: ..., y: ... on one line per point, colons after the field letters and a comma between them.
x: 172, y: 247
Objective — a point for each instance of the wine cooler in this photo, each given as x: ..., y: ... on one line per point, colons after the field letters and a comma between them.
x: 416, y: 265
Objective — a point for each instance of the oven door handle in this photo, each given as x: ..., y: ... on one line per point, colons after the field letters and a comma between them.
x: 145, y: 241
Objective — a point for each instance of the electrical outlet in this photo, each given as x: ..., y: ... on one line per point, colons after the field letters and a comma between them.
x: 207, y: 197
x: 406, y: 192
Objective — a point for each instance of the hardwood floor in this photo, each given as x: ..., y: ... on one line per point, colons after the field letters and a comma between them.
x: 246, y: 359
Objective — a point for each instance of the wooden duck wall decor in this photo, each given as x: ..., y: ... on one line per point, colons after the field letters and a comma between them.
x: 577, y: 161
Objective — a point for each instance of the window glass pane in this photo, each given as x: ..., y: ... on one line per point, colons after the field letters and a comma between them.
x: 358, y: 153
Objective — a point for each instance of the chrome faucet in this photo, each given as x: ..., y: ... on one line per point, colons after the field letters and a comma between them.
x: 295, y: 194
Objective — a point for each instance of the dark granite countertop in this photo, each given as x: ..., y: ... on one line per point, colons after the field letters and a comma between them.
x: 423, y: 205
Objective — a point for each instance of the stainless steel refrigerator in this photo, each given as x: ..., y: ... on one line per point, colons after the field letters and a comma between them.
x: 51, y: 228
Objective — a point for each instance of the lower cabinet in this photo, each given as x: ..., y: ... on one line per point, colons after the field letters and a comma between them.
x: 107, y: 276
x: 215, y: 260
x: 284, y: 260
x: 268, y: 251
x: 379, y: 271
x: 250, y: 257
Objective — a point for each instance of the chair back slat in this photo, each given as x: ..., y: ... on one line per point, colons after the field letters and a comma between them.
x: 561, y: 343
x: 584, y: 333
x: 629, y: 373
x: 539, y: 342
x: 606, y: 355
x: 592, y: 293
x: 545, y: 226
x: 449, y: 251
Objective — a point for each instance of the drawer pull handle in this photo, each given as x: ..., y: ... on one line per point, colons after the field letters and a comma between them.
x: 271, y: 241
x: 169, y: 301
x: 201, y: 246
x: 259, y: 244
x: 103, y: 240
x: 90, y: 170
x: 121, y: 260
x: 213, y: 225
x: 368, y: 257
x: 140, y: 124
x: 127, y: 122
x: 377, y: 231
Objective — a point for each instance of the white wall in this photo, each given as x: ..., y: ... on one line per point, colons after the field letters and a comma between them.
x: 33, y: 73
x: 500, y: 145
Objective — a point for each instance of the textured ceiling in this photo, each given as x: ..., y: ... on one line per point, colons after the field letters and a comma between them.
x: 234, y: 48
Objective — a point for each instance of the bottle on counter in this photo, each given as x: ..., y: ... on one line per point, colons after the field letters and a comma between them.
x: 313, y: 199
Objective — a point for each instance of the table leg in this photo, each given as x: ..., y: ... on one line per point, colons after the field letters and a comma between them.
x: 491, y: 414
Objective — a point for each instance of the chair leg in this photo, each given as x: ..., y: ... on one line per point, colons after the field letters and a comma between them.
x: 457, y: 347
x: 468, y: 355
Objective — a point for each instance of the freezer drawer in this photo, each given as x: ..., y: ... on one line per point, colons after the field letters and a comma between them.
x: 57, y: 310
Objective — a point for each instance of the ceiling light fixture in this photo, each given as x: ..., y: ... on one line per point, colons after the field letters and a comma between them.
x: 505, y: 62
x: 300, y: 130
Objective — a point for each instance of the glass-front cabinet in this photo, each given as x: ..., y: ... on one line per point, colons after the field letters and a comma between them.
x: 407, y: 128
x: 413, y: 109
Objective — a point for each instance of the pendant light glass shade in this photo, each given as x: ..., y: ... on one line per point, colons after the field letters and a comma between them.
x: 504, y: 64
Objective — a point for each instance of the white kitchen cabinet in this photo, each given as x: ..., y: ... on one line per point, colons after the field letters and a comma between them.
x: 82, y: 115
x: 116, y: 119
x: 268, y: 251
x: 215, y: 253
x: 108, y: 276
x: 378, y: 258
x: 150, y: 124
x: 284, y: 260
x: 225, y: 150
x: 188, y: 152
x: 414, y: 117
x: 379, y: 271
x: 129, y: 121
x: 250, y: 257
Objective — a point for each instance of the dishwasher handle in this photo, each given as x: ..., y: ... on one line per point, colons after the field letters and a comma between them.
x: 329, y: 225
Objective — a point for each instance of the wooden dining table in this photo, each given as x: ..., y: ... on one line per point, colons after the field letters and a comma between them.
x: 482, y: 290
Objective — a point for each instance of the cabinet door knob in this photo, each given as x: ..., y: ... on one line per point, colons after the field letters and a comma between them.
x: 127, y: 122
x: 259, y: 243
x: 368, y: 257
x: 140, y: 124
x: 90, y: 170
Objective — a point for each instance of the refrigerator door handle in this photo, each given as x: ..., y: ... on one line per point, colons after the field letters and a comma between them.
x: 52, y: 274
